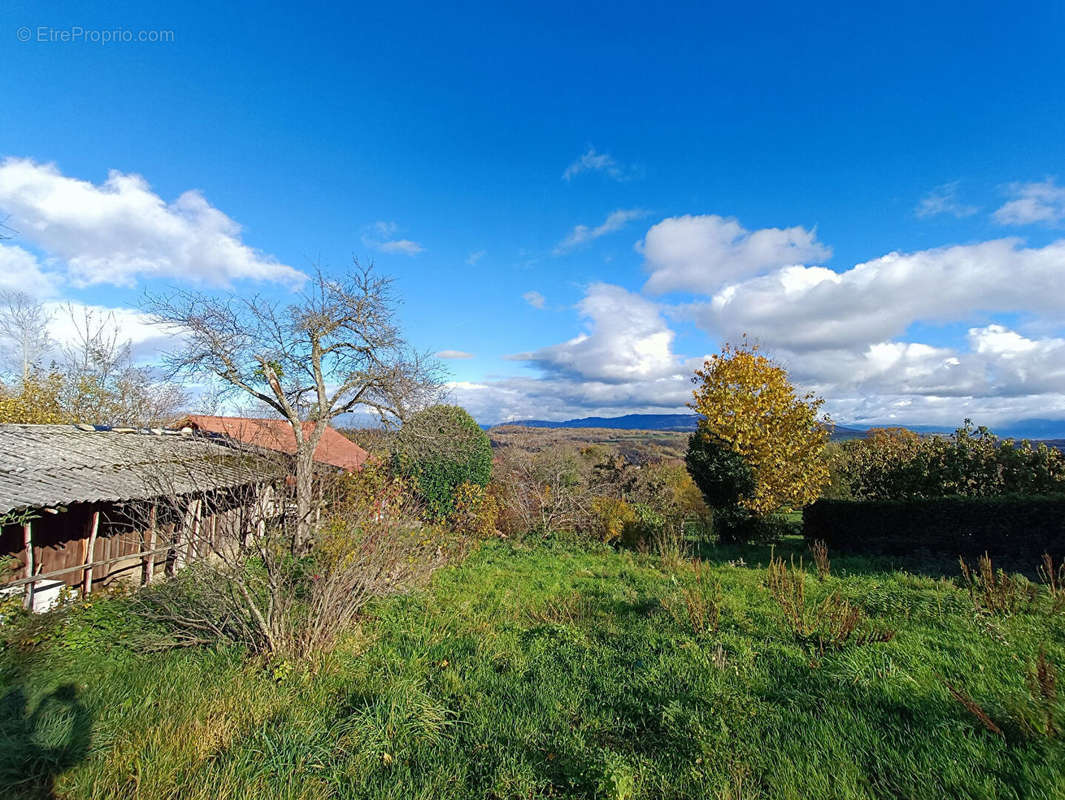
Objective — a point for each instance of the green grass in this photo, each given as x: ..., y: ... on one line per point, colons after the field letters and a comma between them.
x: 550, y: 672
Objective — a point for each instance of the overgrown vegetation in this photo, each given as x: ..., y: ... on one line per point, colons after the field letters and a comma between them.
x: 440, y: 449
x: 898, y: 464
x: 551, y: 671
x: 607, y: 635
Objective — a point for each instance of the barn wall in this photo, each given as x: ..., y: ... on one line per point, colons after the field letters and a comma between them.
x: 61, y: 541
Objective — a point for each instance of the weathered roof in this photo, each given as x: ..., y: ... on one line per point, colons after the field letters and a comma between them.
x: 276, y: 434
x: 50, y: 465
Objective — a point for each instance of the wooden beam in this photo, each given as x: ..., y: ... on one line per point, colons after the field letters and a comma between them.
x: 27, y: 543
x: 90, y: 549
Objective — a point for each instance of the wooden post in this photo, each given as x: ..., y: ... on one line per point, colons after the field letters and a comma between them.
x: 193, y: 547
x: 148, y: 562
x: 181, y: 540
x: 27, y: 542
x: 91, y: 554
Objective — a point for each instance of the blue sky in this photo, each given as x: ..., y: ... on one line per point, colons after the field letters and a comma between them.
x: 724, y: 163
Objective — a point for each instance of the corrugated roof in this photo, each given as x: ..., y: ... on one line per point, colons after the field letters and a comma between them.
x: 50, y: 465
x: 276, y: 434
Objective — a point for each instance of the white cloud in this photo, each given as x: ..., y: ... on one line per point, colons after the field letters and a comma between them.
x: 404, y: 246
x: 474, y: 257
x: 944, y: 200
x: 591, y: 161
x: 534, y: 298
x: 700, y: 253
x: 147, y: 340
x: 120, y: 230
x: 381, y: 238
x: 454, y: 354
x: 558, y: 398
x: 582, y: 234
x: 1000, y: 376
x: 840, y: 334
x: 626, y: 339
x: 817, y: 308
x: 1042, y: 201
x: 20, y: 269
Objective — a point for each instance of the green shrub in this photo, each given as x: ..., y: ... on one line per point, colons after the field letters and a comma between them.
x: 721, y: 474
x: 737, y: 525
x: 440, y: 449
x: 897, y: 464
x: 1020, y: 528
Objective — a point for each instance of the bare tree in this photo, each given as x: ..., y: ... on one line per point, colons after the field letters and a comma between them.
x: 102, y: 382
x: 24, y: 331
x: 336, y: 349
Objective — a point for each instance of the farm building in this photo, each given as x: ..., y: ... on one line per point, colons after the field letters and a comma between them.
x: 82, y: 506
x: 333, y: 450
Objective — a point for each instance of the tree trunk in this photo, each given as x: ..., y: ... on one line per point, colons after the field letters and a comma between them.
x: 304, y: 500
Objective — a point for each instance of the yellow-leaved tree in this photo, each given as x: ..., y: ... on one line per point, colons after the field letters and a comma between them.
x: 748, y: 404
x: 37, y: 399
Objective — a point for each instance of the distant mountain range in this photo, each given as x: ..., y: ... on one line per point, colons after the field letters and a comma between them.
x: 1045, y: 429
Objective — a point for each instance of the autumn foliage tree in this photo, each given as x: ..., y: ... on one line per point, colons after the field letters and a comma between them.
x: 748, y: 405
x: 35, y: 399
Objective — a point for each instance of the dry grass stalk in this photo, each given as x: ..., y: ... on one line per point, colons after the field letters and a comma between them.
x: 699, y: 605
x: 819, y: 551
x: 993, y: 591
x: 1054, y: 579
x: 973, y: 708
x: 831, y: 624
x: 788, y: 589
x: 1043, y: 686
x: 563, y: 610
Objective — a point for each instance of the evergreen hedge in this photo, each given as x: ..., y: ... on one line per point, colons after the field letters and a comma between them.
x: 1013, y: 526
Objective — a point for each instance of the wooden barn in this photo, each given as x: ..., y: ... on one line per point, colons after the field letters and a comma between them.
x: 82, y: 506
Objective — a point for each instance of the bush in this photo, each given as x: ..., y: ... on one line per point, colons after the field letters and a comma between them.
x: 721, y: 474
x: 1020, y: 528
x: 440, y: 449
x: 737, y: 525
x: 897, y: 464
x: 476, y: 511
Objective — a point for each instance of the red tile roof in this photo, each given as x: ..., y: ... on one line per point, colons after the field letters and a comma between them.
x: 276, y: 434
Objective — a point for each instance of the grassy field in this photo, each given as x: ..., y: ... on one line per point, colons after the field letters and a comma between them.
x: 554, y: 672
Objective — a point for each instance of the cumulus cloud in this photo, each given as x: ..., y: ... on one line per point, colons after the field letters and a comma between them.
x: 817, y: 308
x: 604, y: 163
x: 534, y: 298
x: 1031, y: 203
x: 557, y: 398
x: 1000, y: 375
x: 69, y: 320
x: 700, y: 253
x: 120, y: 230
x: 20, y: 270
x: 474, y: 257
x: 944, y: 200
x: 582, y: 234
x: 382, y: 237
x: 454, y: 354
x: 626, y: 338
x: 846, y: 335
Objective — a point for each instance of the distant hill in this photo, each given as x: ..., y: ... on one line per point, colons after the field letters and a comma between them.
x: 650, y: 422
x: 1049, y: 430
x: 632, y: 422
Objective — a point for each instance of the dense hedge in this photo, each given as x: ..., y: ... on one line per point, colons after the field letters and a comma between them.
x: 1008, y: 526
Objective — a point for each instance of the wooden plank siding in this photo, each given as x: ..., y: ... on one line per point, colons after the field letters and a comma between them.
x: 61, y: 539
